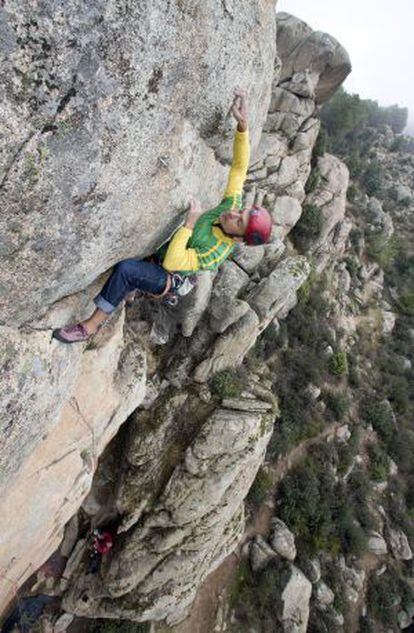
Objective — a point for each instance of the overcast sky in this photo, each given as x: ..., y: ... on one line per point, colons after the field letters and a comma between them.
x: 379, y: 37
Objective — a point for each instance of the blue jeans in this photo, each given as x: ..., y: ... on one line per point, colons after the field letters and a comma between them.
x: 128, y: 275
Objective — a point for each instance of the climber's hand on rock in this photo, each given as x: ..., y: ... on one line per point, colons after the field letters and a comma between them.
x: 239, y: 108
x: 194, y: 213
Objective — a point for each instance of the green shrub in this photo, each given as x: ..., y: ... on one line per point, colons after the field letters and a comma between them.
x: 338, y: 364
x: 372, y: 178
x: 227, y: 383
x: 352, y: 193
x: 313, y: 180
x: 358, y: 490
x: 381, y: 250
x: 366, y: 625
x: 379, y: 416
x: 383, y: 596
x: 353, y: 266
x: 260, y: 488
x: 337, y: 402
x: 308, y: 227
x: 256, y: 597
x: 379, y: 463
x: 407, y: 303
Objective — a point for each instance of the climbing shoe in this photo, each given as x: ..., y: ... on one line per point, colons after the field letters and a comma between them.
x: 71, y: 334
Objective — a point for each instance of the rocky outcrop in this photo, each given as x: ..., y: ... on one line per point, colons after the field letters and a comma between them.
x: 260, y: 554
x: 56, y: 474
x: 377, y: 544
x: 322, y: 62
x: 108, y: 121
x: 105, y: 142
x: 196, y: 522
x: 296, y: 596
x: 282, y: 540
x: 398, y: 543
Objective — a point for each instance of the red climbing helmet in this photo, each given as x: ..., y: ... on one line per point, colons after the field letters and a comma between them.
x: 259, y: 226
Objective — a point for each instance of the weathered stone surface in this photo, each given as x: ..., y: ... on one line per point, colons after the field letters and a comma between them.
x: 302, y: 49
x: 37, y: 376
x: 272, y: 294
x: 296, y: 596
x: 260, y: 553
x: 224, y: 308
x: 282, y: 540
x: 196, y: 522
x: 194, y: 304
x: 98, y: 172
x: 248, y: 257
x: 377, y: 544
x: 56, y: 475
x: 323, y: 594
x: 302, y: 83
x: 330, y: 193
x: 91, y: 154
x: 398, y: 543
x: 311, y: 568
x: 231, y: 347
x: 285, y: 214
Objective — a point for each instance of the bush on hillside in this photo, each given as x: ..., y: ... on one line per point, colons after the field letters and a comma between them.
x: 227, y: 383
x: 378, y: 414
x: 337, y: 403
x: 260, y: 487
x: 313, y: 180
x: 379, y: 463
x: 371, y: 179
x: 308, y: 227
x: 338, y: 364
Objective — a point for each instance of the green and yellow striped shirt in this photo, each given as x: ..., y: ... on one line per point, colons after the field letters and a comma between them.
x: 207, y: 246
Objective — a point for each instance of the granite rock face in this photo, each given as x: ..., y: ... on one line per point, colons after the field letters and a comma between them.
x: 55, y: 475
x: 195, y: 523
x: 296, y: 596
x: 115, y: 116
x: 111, y: 116
x: 324, y: 59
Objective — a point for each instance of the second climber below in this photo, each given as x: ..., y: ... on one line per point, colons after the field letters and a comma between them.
x: 203, y: 243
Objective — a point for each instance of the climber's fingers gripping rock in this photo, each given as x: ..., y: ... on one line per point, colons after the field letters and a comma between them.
x: 194, y: 213
x: 239, y: 108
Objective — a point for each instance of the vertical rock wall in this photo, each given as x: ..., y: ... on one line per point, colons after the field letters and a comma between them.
x: 109, y: 144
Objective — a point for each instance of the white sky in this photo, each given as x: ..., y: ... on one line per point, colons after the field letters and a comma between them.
x: 379, y: 37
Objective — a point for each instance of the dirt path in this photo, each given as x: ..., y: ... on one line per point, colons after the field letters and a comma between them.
x: 215, y: 588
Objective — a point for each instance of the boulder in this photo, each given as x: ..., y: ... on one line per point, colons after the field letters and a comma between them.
x: 302, y: 49
x: 282, y: 540
x: 295, y: 597
x: 273, y: 293
x: 224, y: 308
x: 230, y: 348
x: 56, y: 469
x: 260, y: 553
x: 330, y: 193
x: 195, y: 303
x: 285, y: 213
x: 377, y: 544
x: 196, y: 523
x: 323, y: 594
x: 398, y: 543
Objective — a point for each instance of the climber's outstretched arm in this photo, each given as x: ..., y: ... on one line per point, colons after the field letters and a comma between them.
x: 241, y: 147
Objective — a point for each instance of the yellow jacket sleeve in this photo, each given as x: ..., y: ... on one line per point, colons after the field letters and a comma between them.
x: 238, y: 171
x: 178, y: 257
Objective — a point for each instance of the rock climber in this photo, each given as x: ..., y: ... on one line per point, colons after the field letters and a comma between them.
x: 203, y: 243
x: 102, y: 544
